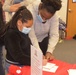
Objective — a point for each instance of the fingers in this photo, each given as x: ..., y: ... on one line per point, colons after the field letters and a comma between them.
x: 43, y: 57
x: 44, y: 62
x: 49, y: 56
x: 52, y: 57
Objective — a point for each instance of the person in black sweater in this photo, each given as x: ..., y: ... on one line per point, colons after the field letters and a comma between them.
x: 2, y: 71
x: 16, y: 40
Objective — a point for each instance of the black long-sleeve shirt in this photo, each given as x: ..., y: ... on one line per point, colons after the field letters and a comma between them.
x: 17, y: 45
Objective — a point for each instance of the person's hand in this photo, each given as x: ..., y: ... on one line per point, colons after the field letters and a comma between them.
x: 44, y: 62
x: 49, y: 56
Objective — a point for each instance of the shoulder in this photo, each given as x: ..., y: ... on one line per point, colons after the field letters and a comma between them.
x: 54, y: 18
x: 11, y: 31
x: 12, y: 34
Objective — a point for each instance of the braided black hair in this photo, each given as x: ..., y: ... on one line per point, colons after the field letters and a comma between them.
x: 51, y: 5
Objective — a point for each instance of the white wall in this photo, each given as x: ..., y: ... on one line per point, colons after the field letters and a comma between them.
x: 63, y: 11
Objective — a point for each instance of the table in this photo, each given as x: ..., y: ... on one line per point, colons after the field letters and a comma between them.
x: 62, y: 69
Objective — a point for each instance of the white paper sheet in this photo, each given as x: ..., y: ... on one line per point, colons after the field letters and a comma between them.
x: 36, y: 61
x: 72, y: 71
x: 50, y: 67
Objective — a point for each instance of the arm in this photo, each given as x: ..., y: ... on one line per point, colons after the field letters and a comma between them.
x: 34, y: 38
x: 7, y: 4
x: 14, y: 7
x: 53, y: 34
x: 10, y: 7
x: 53, y: 37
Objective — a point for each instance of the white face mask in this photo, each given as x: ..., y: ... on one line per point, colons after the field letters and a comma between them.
x: 40, y: 19
x: 26, y: 30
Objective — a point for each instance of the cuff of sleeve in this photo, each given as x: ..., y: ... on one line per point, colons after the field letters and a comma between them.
x: 7, y: 10
x: 50, y: 50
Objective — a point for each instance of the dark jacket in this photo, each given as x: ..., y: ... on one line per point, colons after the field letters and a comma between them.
x: 17, y: 45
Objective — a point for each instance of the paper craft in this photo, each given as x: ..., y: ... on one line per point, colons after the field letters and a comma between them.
x: 50, y: 67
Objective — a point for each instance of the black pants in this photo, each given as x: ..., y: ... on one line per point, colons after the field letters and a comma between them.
x: 43, y: 45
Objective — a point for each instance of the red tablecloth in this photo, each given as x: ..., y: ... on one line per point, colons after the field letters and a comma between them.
x: 62, y: 69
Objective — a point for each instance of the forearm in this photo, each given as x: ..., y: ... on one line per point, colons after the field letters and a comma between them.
x: 53, y: 33
x: 14, y: 7
x: 10, y: 7
x: 52, y: 43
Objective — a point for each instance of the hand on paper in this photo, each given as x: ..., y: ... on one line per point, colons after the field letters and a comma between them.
x: 49, y: 56
x: 44, y: 62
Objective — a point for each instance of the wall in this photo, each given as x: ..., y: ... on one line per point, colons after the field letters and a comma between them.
x: 63, y: 11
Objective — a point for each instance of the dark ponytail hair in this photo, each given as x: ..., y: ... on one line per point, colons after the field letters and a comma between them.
x: 23, y: 14
x: 51, y: 5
